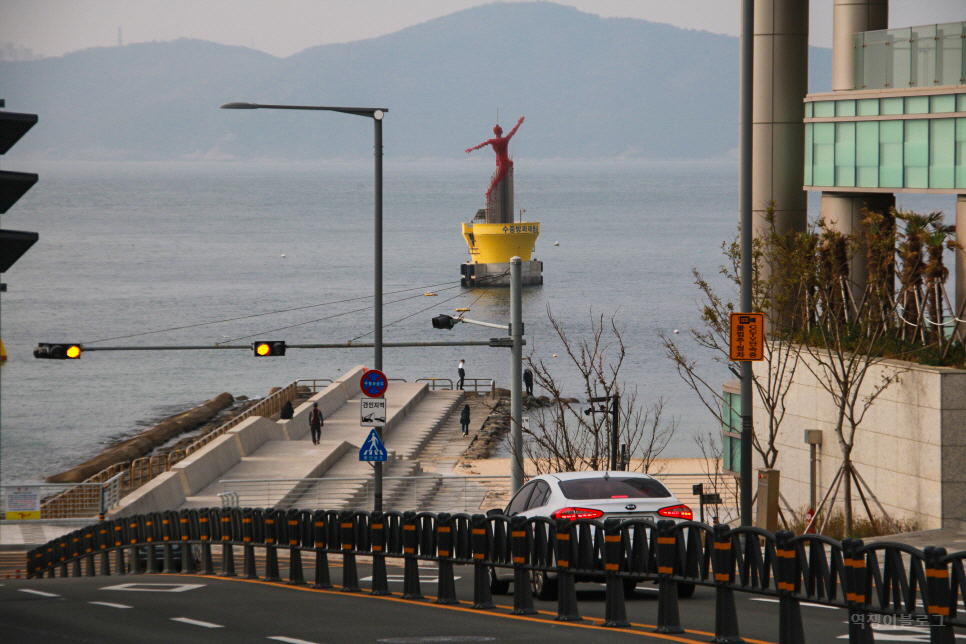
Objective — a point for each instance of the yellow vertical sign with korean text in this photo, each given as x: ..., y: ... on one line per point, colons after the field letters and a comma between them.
x: 747, y: 336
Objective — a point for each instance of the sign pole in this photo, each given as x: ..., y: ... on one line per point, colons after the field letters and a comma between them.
x: 374, y: 384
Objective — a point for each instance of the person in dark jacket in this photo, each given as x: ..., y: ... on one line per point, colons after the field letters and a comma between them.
x: 287, y: 412
x: 465, y: 420
x: 528, y: 381
x: 315, y: 423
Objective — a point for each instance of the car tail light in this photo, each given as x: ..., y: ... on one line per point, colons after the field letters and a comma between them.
x: 577, y: 513
x: 677, y: 512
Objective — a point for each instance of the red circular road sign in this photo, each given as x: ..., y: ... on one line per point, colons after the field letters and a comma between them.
x: 374, y: 383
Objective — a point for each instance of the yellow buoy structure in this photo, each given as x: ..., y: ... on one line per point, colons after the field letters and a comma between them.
x: 493, y: 236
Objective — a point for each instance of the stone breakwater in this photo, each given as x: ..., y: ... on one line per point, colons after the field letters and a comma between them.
x: 497, y: 424
x: 146, y: 441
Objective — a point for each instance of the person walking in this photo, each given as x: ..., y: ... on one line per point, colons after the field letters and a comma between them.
x: 528, y: 380
x: 465, y: 420
x: 461, y: 370
x: 315, y: 423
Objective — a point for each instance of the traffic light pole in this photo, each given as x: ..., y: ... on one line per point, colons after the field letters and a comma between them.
x: 516, y: 374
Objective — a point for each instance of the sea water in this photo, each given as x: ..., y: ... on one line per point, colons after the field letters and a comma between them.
x: 148, y: 254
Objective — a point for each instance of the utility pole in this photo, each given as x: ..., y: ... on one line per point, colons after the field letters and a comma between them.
x: 516, y: 377
x: 747, y: 68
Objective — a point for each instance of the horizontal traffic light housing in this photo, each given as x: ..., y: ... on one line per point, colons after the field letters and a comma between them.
x: 266, y: 348
x: 58, y: 351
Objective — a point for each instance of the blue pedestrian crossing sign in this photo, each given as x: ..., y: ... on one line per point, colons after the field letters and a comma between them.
x: 373, y: 449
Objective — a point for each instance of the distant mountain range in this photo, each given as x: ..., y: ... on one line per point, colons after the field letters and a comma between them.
x: 589, y: 86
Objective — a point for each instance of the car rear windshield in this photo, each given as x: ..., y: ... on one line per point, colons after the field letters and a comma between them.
x: 613, y: 488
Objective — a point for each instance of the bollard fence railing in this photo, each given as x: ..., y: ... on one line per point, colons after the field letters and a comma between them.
x: 879, y: 580
x: 428, y: 492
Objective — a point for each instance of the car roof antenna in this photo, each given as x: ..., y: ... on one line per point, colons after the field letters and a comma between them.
x: 606, y: 475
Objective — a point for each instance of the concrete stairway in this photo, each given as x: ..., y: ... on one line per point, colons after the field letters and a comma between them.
x: 405, y: 442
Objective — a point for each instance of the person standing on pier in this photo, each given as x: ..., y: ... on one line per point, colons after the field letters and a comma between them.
x: 461, y: 370
x: 465, y: 420
x: 528, y: 381
x: 315, y: 423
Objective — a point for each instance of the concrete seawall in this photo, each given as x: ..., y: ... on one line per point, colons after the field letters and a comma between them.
x: 198, y: 471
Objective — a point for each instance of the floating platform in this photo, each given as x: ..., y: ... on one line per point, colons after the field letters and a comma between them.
x: 491, y: 246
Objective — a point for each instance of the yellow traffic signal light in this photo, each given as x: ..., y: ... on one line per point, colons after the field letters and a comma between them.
x: 66, y: 351
x: 268, y: 348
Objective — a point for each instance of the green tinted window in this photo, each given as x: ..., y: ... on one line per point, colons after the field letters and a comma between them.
x: 808, y: 110
x: 923, y: 48
x: 942, y: 153
x: 844, y: 108
x: 808, y: 154
x: 949, y: 58
x: 961, y: 153
x: 891, y: 105
x: 867, y: 154
x: 917, y: 105
x: 916, y: 154
x: 944, y: 103
x: 823, y: 149
x: 890, y: 154
x: 824, y: 109
x: 844, y: 154
x: 867, y: 107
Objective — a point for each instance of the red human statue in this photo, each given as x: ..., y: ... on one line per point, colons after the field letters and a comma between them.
x: 503, y: 161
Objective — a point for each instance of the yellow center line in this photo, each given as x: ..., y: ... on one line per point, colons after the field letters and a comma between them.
x: 337, y: 590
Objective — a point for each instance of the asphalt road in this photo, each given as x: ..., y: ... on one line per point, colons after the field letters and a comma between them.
x: 189, y: 608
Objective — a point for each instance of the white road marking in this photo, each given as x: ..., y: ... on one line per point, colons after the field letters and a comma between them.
x: 289, y: 640
x: 109, y: 604
x: 154, y: 588
x: 195, y: 622
x: 38, y: 592
x: 775, y: 601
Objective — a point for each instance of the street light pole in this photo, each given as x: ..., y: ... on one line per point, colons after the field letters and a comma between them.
x: 376, y: 114
x: 747, y: 66
x: 516, y: 376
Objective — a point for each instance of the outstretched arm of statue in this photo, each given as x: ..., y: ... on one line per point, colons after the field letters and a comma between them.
x: 481, y: 145
x: 515, y: 128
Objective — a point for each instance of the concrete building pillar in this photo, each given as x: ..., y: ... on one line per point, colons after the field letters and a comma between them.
x: 778, y: 130
x: 960, y: 257
x: 849, y: 17
x: 843, y: 212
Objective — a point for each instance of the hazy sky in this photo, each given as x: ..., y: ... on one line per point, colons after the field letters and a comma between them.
x: 284, y: 27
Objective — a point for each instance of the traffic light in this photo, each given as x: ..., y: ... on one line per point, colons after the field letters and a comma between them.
x: 267, y: 348
x: 13, y: 185
x: 65, y: 351
x: 444, y: 322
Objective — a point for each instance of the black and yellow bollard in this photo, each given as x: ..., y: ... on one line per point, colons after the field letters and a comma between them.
x: 204, y: 535
x: 377, y: 529
x: 939, y: 594
x: 295, y: 535
x: 89, y: 551
x: 225, y: 532
x: 520, y: 547
x: 319, y: 527
x: 410, y: 563
x: 860, y: 626
x: 725, y: 611
x: 615, y: 612
x: 668, y: 616
x: 350, y: 574
x: 567, y: 610
x: 479, y: 541
x: 248, y: 547
x: 274, y: 523
x: 119, y: 567
x: 446, y: 583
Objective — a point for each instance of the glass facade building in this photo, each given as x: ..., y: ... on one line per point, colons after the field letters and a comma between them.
x: 904, y: 126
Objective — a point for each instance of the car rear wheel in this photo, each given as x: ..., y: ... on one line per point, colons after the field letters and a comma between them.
x: 498, y: 586
x: 685, y: 590
x: 544, y: 588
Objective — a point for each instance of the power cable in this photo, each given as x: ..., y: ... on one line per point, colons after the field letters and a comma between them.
x: 255, y: 315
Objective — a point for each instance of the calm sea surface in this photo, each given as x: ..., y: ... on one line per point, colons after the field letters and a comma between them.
x: 129, y: 248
